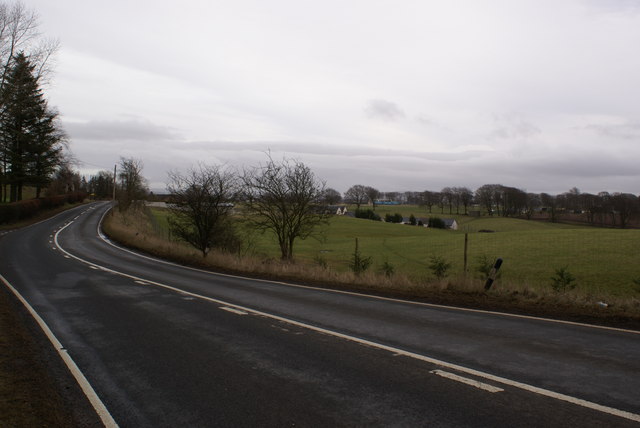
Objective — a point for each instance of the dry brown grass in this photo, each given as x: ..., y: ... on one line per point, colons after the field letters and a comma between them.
x: 135, y: 230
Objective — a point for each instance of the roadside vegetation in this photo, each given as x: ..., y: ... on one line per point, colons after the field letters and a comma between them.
x: 549, y: 269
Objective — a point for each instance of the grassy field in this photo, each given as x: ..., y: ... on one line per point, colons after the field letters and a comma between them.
x: 603, y: 261
x: 27, y: 193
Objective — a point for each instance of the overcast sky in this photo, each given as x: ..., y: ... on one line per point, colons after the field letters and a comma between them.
x: 399, y: 95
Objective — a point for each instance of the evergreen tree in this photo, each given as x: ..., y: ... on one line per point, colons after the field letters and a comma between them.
x: 30, y: 140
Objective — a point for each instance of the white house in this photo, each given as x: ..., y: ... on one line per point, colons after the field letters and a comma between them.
x: 450, y: 223
x: 337, y: 209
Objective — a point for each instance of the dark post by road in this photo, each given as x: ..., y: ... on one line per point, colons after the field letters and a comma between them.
x: 493, y: 273
x: 466, y: 246
x: 115, y: 168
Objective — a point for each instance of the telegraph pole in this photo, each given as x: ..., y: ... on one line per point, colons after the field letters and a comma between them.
x: 114, y: 188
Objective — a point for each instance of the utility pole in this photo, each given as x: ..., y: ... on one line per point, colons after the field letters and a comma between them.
x: 114, y: 187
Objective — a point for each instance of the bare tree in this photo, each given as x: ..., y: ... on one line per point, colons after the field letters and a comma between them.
x: 466, y: 197
x: 532, y: 202
x: 550, y: 203
x: 100, y: 186
x: 331, y: 196
x: 356, y: 195
x: 589, y: 203
x: 429, y: 199
x: 19, y: 32
x: 486, y: 197
x: 392, y: 196
x: 201, y: 204
x: 133, y: 185
x: 626, y: 206
x: 283, y: 197
x: 448, y: 198
x: 513, y: 200
x: 372, y: 194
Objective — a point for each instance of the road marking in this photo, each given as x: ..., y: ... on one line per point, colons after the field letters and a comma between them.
x: 393, y: 350
x: 88, y: 390
x: 233, y: 310
x: 474, y: 383
x: 104, y: 238
x: 141, y: 282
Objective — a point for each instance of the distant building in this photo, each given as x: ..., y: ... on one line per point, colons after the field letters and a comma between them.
x: 337, y: 209
x: 450, y: 223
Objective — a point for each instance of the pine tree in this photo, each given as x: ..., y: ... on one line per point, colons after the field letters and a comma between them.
x: 30, y: 140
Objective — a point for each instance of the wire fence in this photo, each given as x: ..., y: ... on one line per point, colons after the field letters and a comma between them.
x: 598, y: 259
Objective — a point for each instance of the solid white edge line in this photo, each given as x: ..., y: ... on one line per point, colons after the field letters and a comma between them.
x: 467, y: 381
x: 86, y: 387
x: 104, y: 238
x: 397, y: 351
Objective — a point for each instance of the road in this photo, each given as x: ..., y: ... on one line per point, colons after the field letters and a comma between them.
x: 164, y: 345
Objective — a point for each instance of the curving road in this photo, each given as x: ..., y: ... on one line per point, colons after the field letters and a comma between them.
x: 164, y: 345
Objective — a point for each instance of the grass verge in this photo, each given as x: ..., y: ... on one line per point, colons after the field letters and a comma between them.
x: 136, y: 230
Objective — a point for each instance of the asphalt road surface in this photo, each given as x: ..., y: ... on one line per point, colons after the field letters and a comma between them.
x: 164, y: 345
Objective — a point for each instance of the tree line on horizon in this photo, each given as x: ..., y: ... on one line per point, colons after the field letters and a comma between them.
x: 604, y: 208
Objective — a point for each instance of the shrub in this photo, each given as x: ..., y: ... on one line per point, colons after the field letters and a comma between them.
x: 16, y: 211
x: 439, y: 266
x: 562, y: 280
x: 53, y: 201
x: 437, y: 223
x: 484, y: 265
x: 368, y: 214
x: 387, y: 269
x: 393, y: 218
x: 358, y: 263
x: 21, y: 210
x: 321, y: 261
x: 6, y: 213
x: 412, y: 220
x: 28, y: 208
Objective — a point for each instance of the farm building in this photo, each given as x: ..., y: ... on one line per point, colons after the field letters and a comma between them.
x: 450, y: 223
x: 337, y: 209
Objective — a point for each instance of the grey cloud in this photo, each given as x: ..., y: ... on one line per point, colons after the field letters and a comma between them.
x: 431, y: 122
x: 614, y: 6
x: 346, y: 151
x: 129, y: 130
x: 513, y: 126
x: 382, y: 109
x: 625, y: 131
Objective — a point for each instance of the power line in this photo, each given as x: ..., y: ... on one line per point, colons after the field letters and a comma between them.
x: 108, y: 168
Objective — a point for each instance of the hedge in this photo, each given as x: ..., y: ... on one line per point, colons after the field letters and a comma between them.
x: 21, y: 210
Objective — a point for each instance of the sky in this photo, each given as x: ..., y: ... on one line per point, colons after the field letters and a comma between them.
x: 543, y: 95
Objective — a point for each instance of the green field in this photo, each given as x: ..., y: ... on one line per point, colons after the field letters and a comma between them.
x: 27, y: 193
x: 602, y: 260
